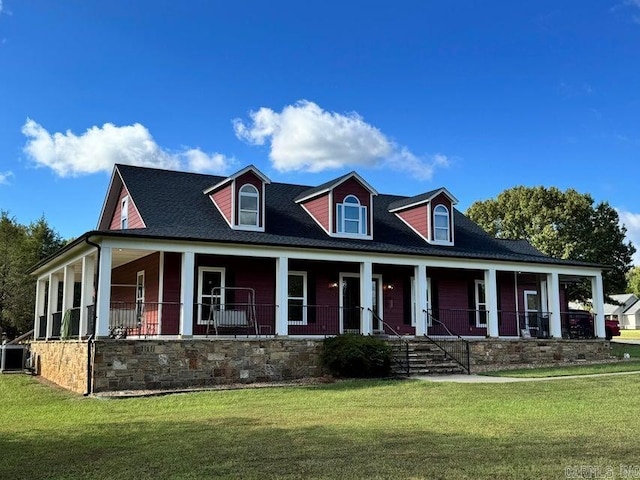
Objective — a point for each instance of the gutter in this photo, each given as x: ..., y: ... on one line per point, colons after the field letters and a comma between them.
x: 91, y: 340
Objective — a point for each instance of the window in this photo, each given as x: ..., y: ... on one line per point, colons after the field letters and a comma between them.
x: 249, y: 200
x: 351, y: 217
x: 297, y: 298
x: 414, y: 313
x: 210, y: 288
x: 139, y: 295
x: 441, y: 223
x: 124, y: 213
x: 481, y: 304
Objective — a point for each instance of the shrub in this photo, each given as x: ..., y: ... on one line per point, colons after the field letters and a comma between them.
x: 356, y: 356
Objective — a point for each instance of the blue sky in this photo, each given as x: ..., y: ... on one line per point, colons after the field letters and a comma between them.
x: 474, y: 96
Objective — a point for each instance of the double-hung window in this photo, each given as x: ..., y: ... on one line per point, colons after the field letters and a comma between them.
x: 481, y: 304
x: 351, y: 216
x: 249, y: 206
x: 297, y: 298
x: 441, y: 223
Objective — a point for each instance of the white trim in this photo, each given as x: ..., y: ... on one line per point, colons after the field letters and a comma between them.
x: 124, y: 213
x: 254, y: 193
x: 304, y: 298
x: 331, y: 187
x: 232, y: 177
x: 478, y: 303
x: 341, y: 277
x: 527, y: 311
x: 429, y: 299
x: 160, y: 308
x: 200, y: 295
x: 447, y: 215
x: 454, y: 201
x: 379, y: 298
x: 187, y: 266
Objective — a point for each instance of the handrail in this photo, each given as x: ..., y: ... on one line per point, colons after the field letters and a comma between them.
x: 461, y: 357
x: 404, y: 344
x: 20, y: 338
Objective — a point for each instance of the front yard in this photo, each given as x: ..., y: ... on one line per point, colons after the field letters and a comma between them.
x: 354, y: 429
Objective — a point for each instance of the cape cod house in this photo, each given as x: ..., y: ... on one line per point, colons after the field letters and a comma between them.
x: 179, y: 256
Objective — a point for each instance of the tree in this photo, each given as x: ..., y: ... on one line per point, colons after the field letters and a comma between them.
x: 565, y: 225
x: 21, y: 247
x: 633, y: 281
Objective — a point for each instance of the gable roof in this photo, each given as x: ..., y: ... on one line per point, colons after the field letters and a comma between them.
x: 224, y: 181
x: 420, y: 199
x: 173, y: 206
x: 331, y: 184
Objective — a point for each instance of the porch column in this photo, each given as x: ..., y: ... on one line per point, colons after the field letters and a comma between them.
x: 553, y: 293
x: 597, y: 294
x: 491, y: 299
x: 186, y: 294
x: 282, y: 296
x: 103, y: 293
x: 52, y: 304
x: 86, y: 292
x: 67, y: 291
x: 420, y: 300
x: 40, y: 307
x: 366, y: 298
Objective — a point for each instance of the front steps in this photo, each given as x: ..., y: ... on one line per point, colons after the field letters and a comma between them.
x: 424, y: 358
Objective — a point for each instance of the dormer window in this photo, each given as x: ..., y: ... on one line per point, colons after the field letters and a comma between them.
x: 249, y: 208
x: 441, y: 223
x: 352, y: 217
x: 124, y: 213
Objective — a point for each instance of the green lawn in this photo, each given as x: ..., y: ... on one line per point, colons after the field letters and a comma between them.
x: 358, y: 429
x: 563, y: 371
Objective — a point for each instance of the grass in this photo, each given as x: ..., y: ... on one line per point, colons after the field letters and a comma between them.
x: 356, y: 429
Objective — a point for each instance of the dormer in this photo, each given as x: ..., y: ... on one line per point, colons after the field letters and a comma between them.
x: 119, y: 211
x: 342, y: 207
x: 430, y: 215
x: 240, y: 199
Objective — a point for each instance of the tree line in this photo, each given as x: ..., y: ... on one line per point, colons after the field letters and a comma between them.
x: 21, y: 247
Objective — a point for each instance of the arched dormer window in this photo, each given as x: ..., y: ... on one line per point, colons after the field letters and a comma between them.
x: 351, y: 216
x: 249, y: 206
x: 441, y: 224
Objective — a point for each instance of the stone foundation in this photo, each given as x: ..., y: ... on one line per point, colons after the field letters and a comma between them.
x: 61, y: 362
x: 174, y: 364
x: 494, y: 354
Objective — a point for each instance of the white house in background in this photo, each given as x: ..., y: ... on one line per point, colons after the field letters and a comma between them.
x: 627, y: 312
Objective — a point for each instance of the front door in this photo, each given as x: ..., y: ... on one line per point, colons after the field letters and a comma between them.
x: 350, y: 303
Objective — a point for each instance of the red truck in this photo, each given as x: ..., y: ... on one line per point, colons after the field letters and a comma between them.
x: 580, y: 325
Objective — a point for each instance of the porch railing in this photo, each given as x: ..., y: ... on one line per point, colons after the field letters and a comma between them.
x: 579, y: 325
x: 140, y: 318
x: 322, y: 319
x: 400, y: 345
x: 459, y: 322
x: 452, y: 344
x: 234, y: 319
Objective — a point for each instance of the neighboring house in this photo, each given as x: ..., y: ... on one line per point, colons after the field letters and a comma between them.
x: 180, y: 255
x: 626, y: 310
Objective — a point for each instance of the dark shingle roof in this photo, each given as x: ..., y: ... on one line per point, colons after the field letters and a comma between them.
x: 173, y: 206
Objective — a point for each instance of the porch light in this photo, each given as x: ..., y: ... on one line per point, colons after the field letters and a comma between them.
x: 333, y: 285
x: 388, y: 287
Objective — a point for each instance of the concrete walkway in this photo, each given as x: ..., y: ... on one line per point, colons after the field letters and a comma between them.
x: 459, y: 378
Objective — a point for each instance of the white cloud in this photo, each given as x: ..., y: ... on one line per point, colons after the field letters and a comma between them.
x: 4, y: 177
x: 99, y: 148
x: 632, y: 222
x: 304, y: 137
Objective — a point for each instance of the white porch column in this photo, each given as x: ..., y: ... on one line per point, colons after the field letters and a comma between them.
x: 366, y: 298
x: 52, y: 303
x: 67, y: 291
x: 40, y: 307
x: 597, y: 294
x: 491, y: 299
x: 420, y: 300
x: 553, y: 297
x: 86, y: 292
x: 103, y: 294
x: 282, y: 296
x: 186, y: 294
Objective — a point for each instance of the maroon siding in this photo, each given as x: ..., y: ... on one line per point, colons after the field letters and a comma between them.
x: 507, y: 319
x: 418, y: 219
x: 135, y: 221
x: 318, y: 208
x: 352, y: 187
x: 222, y: 199
x: 171, y: 293
x: 397, y: 303
x: 252, y: 179
x: 441, y: 199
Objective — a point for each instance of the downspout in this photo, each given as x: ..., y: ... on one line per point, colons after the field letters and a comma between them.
x: 91, y: 339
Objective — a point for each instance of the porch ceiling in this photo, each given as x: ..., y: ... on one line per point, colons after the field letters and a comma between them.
x: 121, y: 256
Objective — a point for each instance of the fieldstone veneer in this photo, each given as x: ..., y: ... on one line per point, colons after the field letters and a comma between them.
x: 171, y: 364
x: 61, y: 362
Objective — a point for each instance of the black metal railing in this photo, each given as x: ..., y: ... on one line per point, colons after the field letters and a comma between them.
x: 42, y: 327
x: 235, y: 319
x: 139, y: 318
x: 322, y: 319
x: 400, y: 346
x: 578, y: 325
x: 56, y: 326
x: 452, y: 344
x: 463, y: 322
x: 91, y: 320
